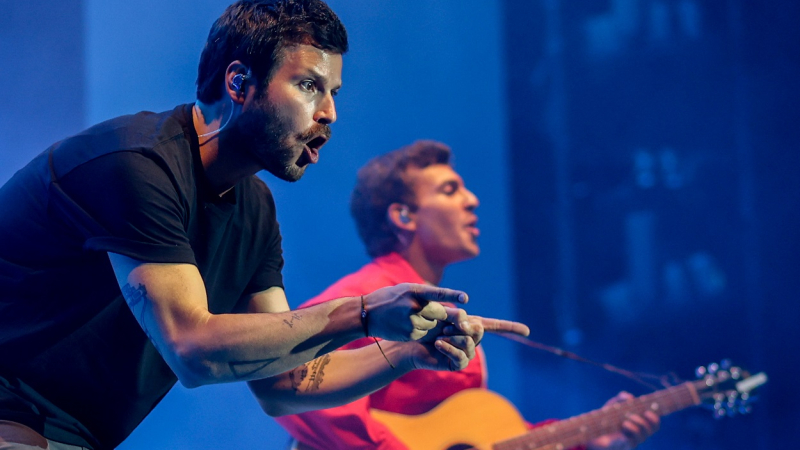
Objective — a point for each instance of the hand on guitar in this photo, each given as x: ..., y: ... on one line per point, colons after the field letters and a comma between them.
x: 635, y: 430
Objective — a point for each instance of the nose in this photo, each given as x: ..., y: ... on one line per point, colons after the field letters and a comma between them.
x: 472, y: 200
x: 326, y: 112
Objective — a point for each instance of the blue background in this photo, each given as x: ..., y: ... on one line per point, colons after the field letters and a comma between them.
x: 636, y: 162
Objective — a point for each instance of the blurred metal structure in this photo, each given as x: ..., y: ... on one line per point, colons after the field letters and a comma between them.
x: 656, y: 201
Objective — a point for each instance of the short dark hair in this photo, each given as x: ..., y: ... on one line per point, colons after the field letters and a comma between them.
x: 255, y: 32
x: 384, y: 180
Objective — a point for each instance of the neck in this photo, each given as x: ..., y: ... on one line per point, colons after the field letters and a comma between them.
x: 427, y: 269
x: 223, y: 166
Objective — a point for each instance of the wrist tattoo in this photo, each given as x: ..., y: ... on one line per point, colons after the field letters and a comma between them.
x: 294, y: 317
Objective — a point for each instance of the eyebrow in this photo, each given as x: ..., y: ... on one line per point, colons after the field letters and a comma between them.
x: 452, y: 181
x: 313, y: 73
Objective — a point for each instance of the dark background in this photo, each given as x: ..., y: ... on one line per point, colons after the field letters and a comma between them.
x: 657, y: 199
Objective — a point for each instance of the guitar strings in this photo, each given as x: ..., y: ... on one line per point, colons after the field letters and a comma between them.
x: 638, y: 377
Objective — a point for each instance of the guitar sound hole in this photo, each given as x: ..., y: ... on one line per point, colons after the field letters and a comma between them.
x: 460, y: 447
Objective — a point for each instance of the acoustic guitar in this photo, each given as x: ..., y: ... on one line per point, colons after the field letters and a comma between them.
x: 484, y: 420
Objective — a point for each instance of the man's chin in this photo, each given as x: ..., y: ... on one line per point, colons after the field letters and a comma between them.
x: 290, y: 174
x: 463, y: 254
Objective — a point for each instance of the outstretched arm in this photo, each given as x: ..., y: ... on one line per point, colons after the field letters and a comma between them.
x: 169, y: 302
x: 345, y: 375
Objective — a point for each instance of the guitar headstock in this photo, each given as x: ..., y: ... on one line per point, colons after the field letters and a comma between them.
x: 727, y: 389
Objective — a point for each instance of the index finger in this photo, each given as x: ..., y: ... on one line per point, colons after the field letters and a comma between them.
x: 505, y: 326
x: 437, y: 294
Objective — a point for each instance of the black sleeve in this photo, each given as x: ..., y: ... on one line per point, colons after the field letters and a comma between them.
x: 136, y: 203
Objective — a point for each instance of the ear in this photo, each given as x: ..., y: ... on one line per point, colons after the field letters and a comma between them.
x: 401, y: 217
x: 238, y: 82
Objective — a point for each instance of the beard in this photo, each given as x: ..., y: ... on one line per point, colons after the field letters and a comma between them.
x: 266, y: 135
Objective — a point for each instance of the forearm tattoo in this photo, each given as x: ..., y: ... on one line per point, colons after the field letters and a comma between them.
x: 297, y: 376
x: 317, y: 373
x: 140, y: 305
x: 294, y: 317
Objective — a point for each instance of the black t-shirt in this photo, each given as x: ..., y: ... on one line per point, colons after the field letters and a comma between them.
x: 74, y: 363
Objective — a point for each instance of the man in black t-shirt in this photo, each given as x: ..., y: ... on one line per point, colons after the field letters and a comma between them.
x: 144, y: 250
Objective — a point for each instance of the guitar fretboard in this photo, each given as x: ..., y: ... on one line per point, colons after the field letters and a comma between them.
x: 585, y: 427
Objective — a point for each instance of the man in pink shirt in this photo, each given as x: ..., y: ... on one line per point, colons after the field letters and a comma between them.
x: 415, y: 217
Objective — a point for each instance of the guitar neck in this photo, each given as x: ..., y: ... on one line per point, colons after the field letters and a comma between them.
x: 585, y: 427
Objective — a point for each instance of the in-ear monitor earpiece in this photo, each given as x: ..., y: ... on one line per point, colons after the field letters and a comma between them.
x: 404, y: 216
x: 238, y: 81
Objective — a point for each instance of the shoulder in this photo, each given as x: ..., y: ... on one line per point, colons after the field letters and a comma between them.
x: 156, y: 136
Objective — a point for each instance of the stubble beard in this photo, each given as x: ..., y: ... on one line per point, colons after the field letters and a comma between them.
x: 264, y: 133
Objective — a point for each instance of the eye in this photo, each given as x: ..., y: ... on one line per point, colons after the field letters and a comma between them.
x: 335, y: 92
x: 308, y: 85
x: 449, y: 188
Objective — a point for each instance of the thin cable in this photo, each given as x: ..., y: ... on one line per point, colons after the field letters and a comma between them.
x: 220, y: 128
x: 637, y: 377
x: 364, y: 324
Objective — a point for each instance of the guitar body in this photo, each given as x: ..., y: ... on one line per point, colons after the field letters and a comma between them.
x: 481, y: 419
x: 473, y: 418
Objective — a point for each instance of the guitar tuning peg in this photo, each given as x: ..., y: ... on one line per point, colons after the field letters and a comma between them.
x: 713, y: 368
x: 700, y: 372
x: 745, y: 409
x: 732, y: 407
x: 719, y: 412
x: 725, y: 363
x: 736, y: 373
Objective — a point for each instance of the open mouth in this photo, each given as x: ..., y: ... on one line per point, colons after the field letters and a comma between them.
x: 312, y: 148
x: 472, y: 227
